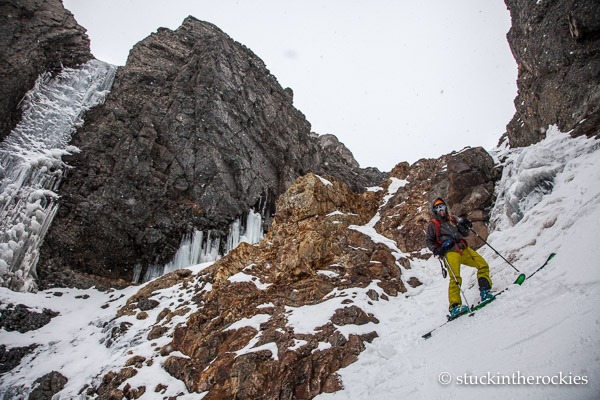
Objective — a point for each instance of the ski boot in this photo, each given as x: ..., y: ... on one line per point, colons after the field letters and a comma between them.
x: 458, y: 310
x: 485, y: 295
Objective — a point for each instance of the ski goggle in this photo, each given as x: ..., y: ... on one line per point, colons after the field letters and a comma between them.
x: 439, y: 207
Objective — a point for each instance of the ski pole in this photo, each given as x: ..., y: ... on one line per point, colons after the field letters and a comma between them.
x: 521, y: 277
x: 456, y: 281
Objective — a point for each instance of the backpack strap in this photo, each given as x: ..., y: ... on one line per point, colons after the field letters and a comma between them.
x: 438, y: 227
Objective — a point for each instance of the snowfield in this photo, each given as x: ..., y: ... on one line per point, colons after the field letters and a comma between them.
x: 540, y: 340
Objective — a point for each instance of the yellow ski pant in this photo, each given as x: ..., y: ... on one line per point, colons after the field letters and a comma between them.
x: 472, y: 259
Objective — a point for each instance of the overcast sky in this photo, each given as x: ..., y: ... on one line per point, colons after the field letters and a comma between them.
x: 394, y: 80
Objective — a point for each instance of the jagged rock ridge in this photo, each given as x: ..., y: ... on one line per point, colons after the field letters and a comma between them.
x: 36, y: 36
x: 557, y: 47
x: 195, y: 132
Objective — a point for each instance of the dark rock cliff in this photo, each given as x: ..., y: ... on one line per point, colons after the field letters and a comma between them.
x: 35, y: 36
x: 195, y: 132
x: 557, y: 47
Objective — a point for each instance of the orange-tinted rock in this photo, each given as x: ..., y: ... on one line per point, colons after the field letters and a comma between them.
x: 241, y: 343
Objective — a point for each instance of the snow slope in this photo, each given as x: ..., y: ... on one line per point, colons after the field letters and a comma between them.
x: 547, y: 327
x: 75, y: 342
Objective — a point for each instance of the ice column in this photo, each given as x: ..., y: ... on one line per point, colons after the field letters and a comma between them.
x: 200, y: 248
x: 194, y: 249
x: 251, y: 232
x: 30, y: 163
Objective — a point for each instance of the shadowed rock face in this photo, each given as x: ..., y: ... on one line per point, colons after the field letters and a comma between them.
x: 557, y: 47
x: 195, y: 132
x: 36, y: 36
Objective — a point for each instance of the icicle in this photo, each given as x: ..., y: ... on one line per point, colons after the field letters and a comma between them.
x: 196, y: 254
x: 199, y: 248
x: 233, y: 239
x: 254, y: 231
x: 137, y: 272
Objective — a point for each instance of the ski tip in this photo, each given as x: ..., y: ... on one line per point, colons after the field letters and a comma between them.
x: 520, y: 279
x: 426, y: 336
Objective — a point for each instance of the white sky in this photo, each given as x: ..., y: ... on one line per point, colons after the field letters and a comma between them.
x: 393, y: 80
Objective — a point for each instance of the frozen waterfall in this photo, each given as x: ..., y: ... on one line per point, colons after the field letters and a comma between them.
x: 200, y: 247
x: 30, y: 163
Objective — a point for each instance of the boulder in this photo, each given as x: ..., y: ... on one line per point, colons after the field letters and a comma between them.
x: 45, y: 387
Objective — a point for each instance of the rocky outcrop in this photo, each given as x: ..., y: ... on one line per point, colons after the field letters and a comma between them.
x: 20, y: 318
x: 464, y: 179
x: 36, y: 36
x: 254, y: 334
x: 194, y: 133
x: 334, y: 158
x: 45, y: 387
x: 9, y: 359
x: 557, y: 48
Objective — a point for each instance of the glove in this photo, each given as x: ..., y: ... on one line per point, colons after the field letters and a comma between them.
x: 464, y: 227
x: 439, y: 251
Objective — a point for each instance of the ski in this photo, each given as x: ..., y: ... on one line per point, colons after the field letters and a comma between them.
x: 470, y: 312
x: 482, y: 304
x: 550, y: 257
x: 428, y: 334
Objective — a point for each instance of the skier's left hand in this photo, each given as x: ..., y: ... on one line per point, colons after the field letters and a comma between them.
x: 465, y: 222
x: 464, y: 226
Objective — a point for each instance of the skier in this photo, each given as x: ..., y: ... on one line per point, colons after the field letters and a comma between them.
x: 445, y: 238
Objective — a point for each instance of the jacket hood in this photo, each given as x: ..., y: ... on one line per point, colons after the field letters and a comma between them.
x: 436, y: 215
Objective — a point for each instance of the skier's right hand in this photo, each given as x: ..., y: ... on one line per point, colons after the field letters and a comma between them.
x: 439, y: 251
